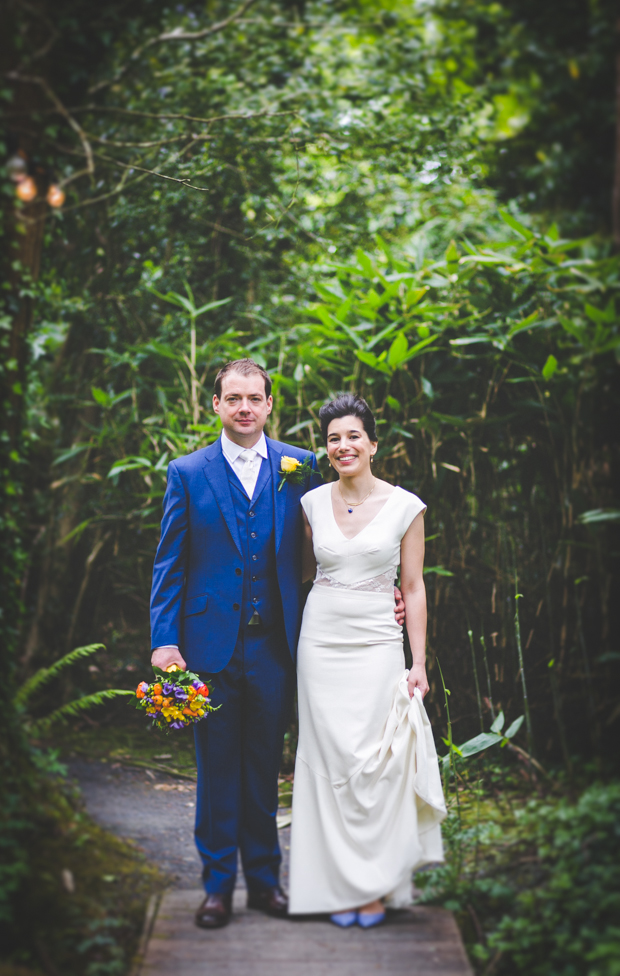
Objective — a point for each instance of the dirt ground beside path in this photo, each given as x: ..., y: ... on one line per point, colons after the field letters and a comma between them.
x: 154, y: 811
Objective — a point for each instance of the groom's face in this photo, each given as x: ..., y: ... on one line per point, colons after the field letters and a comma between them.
x: 243, y: 407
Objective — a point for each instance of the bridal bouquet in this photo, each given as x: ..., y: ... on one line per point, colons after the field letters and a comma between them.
x: 174, y: 702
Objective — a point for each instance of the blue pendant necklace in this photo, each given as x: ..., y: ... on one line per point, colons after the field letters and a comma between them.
x: 352, y: 505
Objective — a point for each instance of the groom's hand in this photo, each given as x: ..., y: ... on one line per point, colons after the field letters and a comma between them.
x: 399, y: 607
x: 163, y: 657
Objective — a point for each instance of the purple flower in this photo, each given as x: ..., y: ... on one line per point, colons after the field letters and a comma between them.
x: 180, y: 694
x: 176, y: 725
x: 168, y: 688
x: 197, y: 683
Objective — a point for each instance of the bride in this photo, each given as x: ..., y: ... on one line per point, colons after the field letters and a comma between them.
x: 367, y: 801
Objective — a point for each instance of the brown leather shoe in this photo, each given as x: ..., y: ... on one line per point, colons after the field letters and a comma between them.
x: 215, y: 911
x: 272, y: 901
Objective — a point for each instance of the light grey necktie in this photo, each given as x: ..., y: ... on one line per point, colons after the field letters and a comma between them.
x: 248, y: 473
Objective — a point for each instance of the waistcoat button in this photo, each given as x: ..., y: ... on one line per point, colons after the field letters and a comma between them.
x: 235, y: 606
x: 252, y: 535
x: 254, y: 557
x: 254, y: 579
x: 251, y: 514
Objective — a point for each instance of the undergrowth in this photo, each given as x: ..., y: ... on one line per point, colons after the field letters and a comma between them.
x: 80, y: 909
x: 534, y: 881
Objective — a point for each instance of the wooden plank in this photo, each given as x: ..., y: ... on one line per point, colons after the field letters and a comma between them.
x: 415, y: 942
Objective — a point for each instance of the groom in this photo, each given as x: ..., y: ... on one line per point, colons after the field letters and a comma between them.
x: 227, y: 602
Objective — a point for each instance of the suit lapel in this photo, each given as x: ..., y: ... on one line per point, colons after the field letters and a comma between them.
x: 261, y: 481
x: 279, y: 497
x: 216, y: 473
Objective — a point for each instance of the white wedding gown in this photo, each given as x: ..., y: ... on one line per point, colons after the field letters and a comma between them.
x: 367, y: 799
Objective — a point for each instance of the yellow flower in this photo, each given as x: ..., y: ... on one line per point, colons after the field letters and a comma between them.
x: 289, y: 464
x: 172, y: 667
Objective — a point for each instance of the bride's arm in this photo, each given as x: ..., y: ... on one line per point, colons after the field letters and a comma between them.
x: 414, y: 595
x: 308, y: 562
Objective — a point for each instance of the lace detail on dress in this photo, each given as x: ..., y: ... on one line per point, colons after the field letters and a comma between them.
x: 376, y: 584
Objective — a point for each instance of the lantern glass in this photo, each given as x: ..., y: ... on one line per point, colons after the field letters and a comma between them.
x: 27, y: 189
x: 17, y: 168
x: 55, y: 196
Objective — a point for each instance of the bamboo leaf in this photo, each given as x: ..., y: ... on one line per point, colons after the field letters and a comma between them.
x: 516, y: 225
x: 550, y: 367
x: 398, y: 351
x: 498, y: 724
x: 514, y: 727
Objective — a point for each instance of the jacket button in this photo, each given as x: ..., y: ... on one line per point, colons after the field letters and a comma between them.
x: 252, y: 535
x: 254, y: 557
x: 255, y: 600
x: 235, y: 606
x: 238, y: 571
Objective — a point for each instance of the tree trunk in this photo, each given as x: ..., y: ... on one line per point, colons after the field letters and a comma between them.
x: 615, y: 201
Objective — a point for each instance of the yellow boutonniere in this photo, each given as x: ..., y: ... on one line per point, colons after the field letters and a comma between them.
x: 293, y: 470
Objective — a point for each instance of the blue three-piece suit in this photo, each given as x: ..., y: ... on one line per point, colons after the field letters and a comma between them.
x: 225, y: 560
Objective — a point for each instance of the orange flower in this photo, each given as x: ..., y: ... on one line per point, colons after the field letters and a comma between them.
x: 157, y: 689
x: 142, y: 689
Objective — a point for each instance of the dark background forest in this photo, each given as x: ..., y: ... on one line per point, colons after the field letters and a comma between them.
x: 418, y: 201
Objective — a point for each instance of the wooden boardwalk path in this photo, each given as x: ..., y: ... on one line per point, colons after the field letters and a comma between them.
x: 415, y: 942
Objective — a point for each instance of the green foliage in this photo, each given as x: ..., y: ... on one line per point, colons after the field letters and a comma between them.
x: 346, y: 161
x: 73, y: 709
x: 41, y: 726
x: 43, y: 675
x: 542, y: 883
x: 80, y: 901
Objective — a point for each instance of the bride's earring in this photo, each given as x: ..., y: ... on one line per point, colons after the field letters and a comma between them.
x: 372, y: 459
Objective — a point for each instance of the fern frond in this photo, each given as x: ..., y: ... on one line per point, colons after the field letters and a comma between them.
x: 43, y: 675
x: 41, y: 726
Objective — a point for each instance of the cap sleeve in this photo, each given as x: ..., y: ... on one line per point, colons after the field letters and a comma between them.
x: 413, y: 507
x: 308, y: 502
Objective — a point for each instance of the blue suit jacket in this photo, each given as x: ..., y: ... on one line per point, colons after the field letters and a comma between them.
x: 199, y: 555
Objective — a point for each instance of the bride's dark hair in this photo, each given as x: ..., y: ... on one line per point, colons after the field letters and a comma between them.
x: 348, y: 405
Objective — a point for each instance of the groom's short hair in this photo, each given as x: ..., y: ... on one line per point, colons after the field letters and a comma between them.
x: 245, y: 367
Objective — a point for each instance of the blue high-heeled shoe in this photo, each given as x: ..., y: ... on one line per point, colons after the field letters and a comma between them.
x: 368, y: 920
x: 344, y: 919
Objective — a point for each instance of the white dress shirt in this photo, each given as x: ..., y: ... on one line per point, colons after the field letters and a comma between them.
x: 245, y: 462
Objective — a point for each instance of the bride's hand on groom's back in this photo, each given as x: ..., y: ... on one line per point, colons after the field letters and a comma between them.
x: 417, y: 679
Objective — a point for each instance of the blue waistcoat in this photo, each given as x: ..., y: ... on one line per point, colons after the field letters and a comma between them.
x: 257, y: 536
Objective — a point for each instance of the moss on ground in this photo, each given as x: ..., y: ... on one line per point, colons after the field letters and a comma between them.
x: 82, y: 909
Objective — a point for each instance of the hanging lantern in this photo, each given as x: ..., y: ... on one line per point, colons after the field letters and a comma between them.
x: 55, y: 196
x: 27, y: 189
x: 17, y: 167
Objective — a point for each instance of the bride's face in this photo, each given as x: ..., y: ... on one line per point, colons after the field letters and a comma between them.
x: 349, y: 447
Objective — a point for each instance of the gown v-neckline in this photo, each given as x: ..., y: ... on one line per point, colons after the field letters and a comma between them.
x: 350, y: 539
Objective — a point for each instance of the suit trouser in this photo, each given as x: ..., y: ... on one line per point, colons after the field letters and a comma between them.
x: 238, y: 755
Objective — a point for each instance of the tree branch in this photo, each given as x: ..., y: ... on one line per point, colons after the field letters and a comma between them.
x: 42, y: 83
x: 178, y: 34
